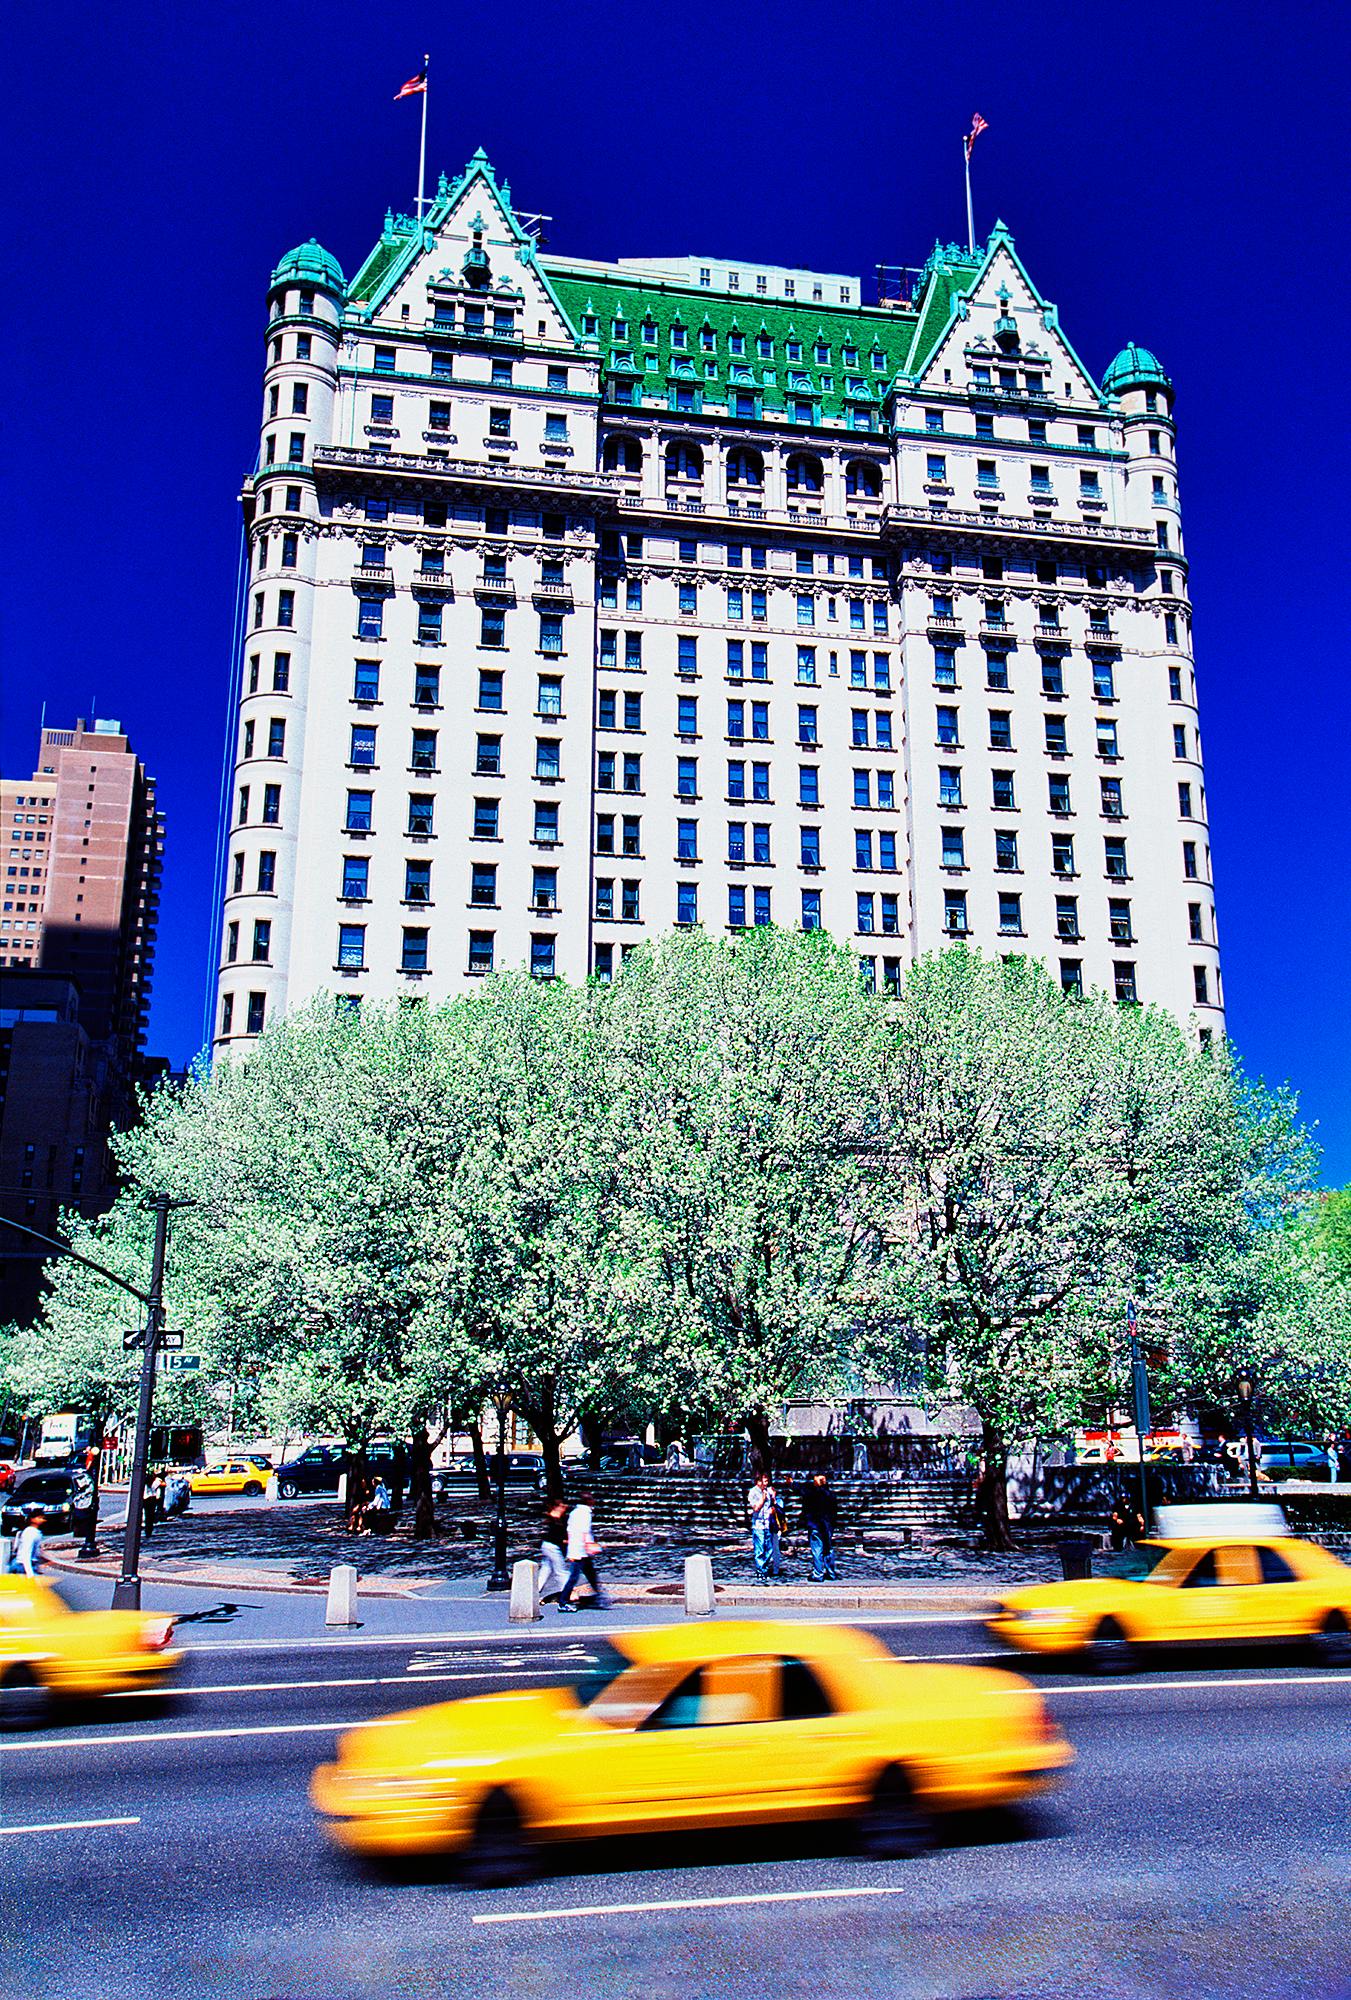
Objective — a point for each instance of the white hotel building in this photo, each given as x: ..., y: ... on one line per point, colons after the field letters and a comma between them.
x: 590, y: 599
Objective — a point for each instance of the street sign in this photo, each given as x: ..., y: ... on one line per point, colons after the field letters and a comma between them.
x: 182, y: 1364
x: 168, y: 1339
x: 135, y: 1338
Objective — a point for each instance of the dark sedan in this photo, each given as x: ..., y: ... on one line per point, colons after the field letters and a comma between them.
x: 319, y: 1469
x: 48, y: 1489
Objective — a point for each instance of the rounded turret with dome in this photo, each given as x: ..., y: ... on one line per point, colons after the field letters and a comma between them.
x: 1136, y: 368
x: 310, y: 264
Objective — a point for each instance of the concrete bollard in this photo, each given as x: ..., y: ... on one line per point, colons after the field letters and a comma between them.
x: 271, y: 1491
x: 523, y: 1607
x: 342, y: 1596
x: 699, y: 1599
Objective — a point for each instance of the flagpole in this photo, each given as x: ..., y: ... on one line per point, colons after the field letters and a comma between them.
x: 970, y: 223
x: 422, y: 149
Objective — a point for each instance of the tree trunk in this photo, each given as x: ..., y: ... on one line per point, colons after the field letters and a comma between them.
x: 420, y: 1485
x: 757, y: 1424
x: 358, y: 1487
x: 481, y: 1479
x: 992, y: 1492
x: 593, y: 1438
x: 553, y: 1461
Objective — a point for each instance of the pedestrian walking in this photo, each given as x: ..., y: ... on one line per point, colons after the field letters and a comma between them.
x: 581, y: 1549
x: 152, y: 1504
x: 553, y: 1563
x: 820, y: 1512
x: 27, y: 1557
x: 762, y: 1504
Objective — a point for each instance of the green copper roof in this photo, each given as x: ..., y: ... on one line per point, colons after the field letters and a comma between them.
x: 1135, y: 368
x: 311, y: 265
x: 949, y: 270
x: 836, y: 355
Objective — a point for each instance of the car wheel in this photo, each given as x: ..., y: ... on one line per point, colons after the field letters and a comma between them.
x: 288, y: 1489
x: 499, y: 1852
x: 24, y: 1702
x: 1109, y: 1650
x: 893, y: 1825
x: 1333, y: 1644
x: 252, y: 1487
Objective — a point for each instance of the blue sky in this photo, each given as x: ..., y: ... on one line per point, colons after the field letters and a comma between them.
x: 1174, y: 177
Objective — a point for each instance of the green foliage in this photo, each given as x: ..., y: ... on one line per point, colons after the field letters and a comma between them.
x: 730, y: 1178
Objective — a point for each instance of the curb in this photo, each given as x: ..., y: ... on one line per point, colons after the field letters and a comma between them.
x: 656, y: 1594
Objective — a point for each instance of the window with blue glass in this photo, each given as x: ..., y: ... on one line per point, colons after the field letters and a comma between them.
x: 760, y: 846
x: 866, y: 911
x: 687, y: 777
x: 351, y: 947
x: 687, y: 653
x: 809, y: 846
x: 808, y: 785
x: 954, y: 847
x: 806, y: 610
x: 362, y: 749
x: 486, y: 818
x: 858, y: 728
x: 811, y: 909
x: 806, y: 665
x: 761, y: 906
x: 551, y: 632
x: 542, y: 948
x: 492, y: 626
x: 370, y: 617
x: 687, y: 715
x: 356, y: 871
x: 736, y: 840
x: 736, y: 906
x: 366, y: 681
x: 736, y: 778
x: 862, y: 788
x: 359, y: 812
x: 687, y: 840
x: 760, y: 721
x: 735, y: 659
x: 945, y: 667
x: 687, y: 902
x: 736, y: 720
x: 863, y: 848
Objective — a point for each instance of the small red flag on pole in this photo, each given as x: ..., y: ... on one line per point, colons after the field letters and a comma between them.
x: 978, y: 125
x: 415, y: 84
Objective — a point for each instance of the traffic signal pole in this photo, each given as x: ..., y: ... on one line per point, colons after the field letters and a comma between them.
x: 127, y: 1590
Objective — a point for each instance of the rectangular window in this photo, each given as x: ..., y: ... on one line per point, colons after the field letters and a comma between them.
x: 366, y: 681
x: 761, y: 906
x: 370, y: 617
x: 806, y: 665
x: 605, y: 770
x: 628, y: 902
x: 1123, y: 981
x: 1114, y: 854
x: 548, y: 755
x: 945, y: 667
x: 362, y: 749
x: 1201, y: 985
x: 954, y: 912
x: 1055, y: 735
x: 605, y: 833
x: 1010, y: 915
x: 760, y: 854
x: 736, y: 907
x: 1184, y: 801
x: 1001, y: 729
x: 1062, y: 854
x: 630, y: 834
x: 863, y: 789
x: 551, y: 632
x: 546, y: 823
x: 423, y: 755
x: 1072, y: 977
x: 736, y: 720
x: 808, y: 785
x: 863, y: 848
x: 949, y: 785
x: 1006, y: 850
x: 687, y: 777
x: 486, y: 813
x: 736, y: 778
x: 257, y: 1012
x: 947, y: 727
x: 355, y: 878
x: 687, y: 840
x: 687, y: 654
x: 351, y: 947
x: 760, y: 721
x: 687, y: 902
x: 954, y: 847
x: 1106, y: 734
x: 413, y: 957
x: 633, y: 772
x: 483, y: 884
x: 1189, y: 868
x: 605, y: 897
x: 1104, y: 681
x: 809, y: 846
x: 1052, y: 674
x: 492, y: 626
x: 687, y: 715
x: 417, y: 881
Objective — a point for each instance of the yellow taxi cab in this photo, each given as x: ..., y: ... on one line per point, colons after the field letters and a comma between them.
x: 682, y: 1727
x: 1223, y: 1573
x: 232, y: 1475
x: 49, y: 1651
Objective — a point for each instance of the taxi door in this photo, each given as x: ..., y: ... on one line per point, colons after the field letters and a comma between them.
x: 1208, y: 1601
x: 1271, y: 1601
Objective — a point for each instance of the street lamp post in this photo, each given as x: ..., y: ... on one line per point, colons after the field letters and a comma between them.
x: 500, y: 1579
x: 1243, y: 1383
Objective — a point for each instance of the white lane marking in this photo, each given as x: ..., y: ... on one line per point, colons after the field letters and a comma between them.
x: 410, y: 1679
x: 1198, y: 1686
x: 686, y: 1903
x: 114, y: 1740
x: 70, y: 1825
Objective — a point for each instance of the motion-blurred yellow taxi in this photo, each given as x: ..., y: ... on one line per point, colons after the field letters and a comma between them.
x: 233, y: 1475
x: 681, y: 1727
x: 1224, y: 1573
x: 48, y: 1649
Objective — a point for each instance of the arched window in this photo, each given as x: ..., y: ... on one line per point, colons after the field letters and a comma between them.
x: 804, y: 473
x: 622, y: 454
x: 684, y: 460
x: 745, y: 467
x: 863, y: 479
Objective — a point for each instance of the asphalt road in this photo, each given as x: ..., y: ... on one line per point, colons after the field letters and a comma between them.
x: 1201, y: 1846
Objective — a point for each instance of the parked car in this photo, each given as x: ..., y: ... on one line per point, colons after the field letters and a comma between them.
x: 233, y: 1475
x: 319, y: 1469
x: 47, y: 1488
x: 1279, y: 1459
x: 524, y: 1468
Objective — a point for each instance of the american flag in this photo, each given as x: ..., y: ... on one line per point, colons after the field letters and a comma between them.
x: 978, y: 125
x: 415, y: 84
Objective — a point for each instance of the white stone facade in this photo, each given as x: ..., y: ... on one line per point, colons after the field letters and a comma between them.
x: 532, y: 541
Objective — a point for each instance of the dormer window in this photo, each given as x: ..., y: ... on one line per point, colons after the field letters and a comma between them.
x: 764, y: 347
x: 679, y: 337
x: 795, y: 350
x: 851, y: 356
x: 708, y: 340
x: 822, y: 353
x: 650, y: 332
x: 589, y: 324
x: 736, y: 343
x: 620, y: 329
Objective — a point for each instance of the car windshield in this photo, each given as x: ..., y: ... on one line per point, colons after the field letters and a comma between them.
x: 607, y: 1664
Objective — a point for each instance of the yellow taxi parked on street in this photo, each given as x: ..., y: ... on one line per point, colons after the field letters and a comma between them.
x: 47, y: 1650
x: 233, y: 1475
x: 1224, y: 1573
x: 686, y: 1727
